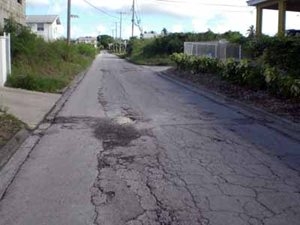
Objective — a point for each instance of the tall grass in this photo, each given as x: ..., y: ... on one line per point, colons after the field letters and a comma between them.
x: 44, y: 66
x: 139, y: 53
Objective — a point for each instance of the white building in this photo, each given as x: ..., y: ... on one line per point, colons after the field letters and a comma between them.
x: 151, y: 34
x: 46, y: 26
x: 88, y: 40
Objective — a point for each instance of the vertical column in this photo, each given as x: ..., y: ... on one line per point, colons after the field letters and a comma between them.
x: 281, y: 17
x: 3, y: 69
x: 259, y: 18
x: 8, y: 53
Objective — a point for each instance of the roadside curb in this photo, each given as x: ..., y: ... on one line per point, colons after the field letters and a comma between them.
x: 31, y: 139
x: 270, y: 120
x: 12, y: 145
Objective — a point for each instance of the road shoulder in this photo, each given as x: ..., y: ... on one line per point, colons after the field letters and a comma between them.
x: 280, y: 124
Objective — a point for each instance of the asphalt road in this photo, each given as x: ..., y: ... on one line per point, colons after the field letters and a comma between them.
x: 131, y: 148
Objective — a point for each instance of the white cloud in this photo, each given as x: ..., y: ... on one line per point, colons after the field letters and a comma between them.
x: 198, y: 15
x: 177, y: 28
x: 101, y: 29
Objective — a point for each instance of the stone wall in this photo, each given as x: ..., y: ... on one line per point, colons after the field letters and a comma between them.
x: 12, y: 8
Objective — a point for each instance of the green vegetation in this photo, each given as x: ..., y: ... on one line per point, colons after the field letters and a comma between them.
x: 44, y: 66
x: 9, y: 126
x: 273, y: 66
x: 104, y: 41
x: 140, y: 52
x: 156, y: 51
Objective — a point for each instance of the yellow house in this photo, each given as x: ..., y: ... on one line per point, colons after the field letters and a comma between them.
x: 281, y: 5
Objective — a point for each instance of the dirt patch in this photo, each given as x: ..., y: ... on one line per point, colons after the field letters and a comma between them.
x: 114, y: 134
x: 287, y: 108
x: 9, y: 126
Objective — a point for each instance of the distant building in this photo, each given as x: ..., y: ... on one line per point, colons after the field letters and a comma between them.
x: 151, y: 34
x: 14, y: 9
x: 88, y: 40
x: 45, y: 26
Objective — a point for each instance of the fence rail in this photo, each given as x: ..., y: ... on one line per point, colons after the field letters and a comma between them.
x: 219, y: 49
x: 5, y: 58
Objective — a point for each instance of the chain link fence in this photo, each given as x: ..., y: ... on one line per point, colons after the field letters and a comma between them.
x: 216, y: 49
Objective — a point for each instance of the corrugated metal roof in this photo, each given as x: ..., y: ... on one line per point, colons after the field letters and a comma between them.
x: 43, y: 19
x: 255, y: 2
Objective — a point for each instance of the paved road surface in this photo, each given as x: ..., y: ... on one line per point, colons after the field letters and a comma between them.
x: 132, y: 148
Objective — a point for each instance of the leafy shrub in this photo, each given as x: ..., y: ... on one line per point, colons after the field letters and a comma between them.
x: 195, y: 64
x: 280, y: 83
x: 230, y: 71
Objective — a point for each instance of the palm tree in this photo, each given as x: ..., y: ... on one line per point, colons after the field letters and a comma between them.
x: 251, y: 32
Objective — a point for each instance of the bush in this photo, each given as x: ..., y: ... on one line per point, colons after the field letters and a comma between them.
x: 280, y: 83
x: 195, y: 64
x: 244, y: 73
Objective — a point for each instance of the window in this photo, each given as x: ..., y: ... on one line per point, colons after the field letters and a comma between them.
x: 20, y: 1
x: 40, y: 27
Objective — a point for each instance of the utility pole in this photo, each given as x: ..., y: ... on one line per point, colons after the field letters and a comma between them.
x: 116, y: 30
x: 133, y: 15
x: 69, y: 22
x: 120, y: 47
x: 116, y: 36
x: 121, y: 13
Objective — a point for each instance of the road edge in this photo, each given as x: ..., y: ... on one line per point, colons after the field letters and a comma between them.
x: 282, y: 125
x: 14, y: 164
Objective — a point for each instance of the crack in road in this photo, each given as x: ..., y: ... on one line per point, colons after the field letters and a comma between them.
x: 185, y: 171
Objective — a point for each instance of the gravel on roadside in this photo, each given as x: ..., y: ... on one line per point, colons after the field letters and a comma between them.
x: 286, y: 108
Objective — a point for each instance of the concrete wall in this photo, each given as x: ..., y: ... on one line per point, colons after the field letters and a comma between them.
x: 12, y: 8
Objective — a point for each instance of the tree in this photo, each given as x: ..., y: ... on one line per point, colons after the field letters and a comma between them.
x: 164, y: 32
x: 105, y: 40
x: 251, y: 32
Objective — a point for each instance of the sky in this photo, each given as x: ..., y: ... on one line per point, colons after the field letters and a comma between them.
x: 98, y: 17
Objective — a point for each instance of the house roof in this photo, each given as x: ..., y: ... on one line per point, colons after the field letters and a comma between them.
x: 292, y: 5
x: 43, y: 19
x: 255, y: 2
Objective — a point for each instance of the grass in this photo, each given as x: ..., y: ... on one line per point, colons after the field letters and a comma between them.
x: 44, y: 66
x: 9, y: 126
x: 49, y: 67
x: 151, y: 60
x: 141, y: 53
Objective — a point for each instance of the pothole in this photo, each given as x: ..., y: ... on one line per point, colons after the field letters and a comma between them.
x: 114, y: 133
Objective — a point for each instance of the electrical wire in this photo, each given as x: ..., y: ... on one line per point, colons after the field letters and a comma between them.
x: 101, y: 10
x: 199, y: 3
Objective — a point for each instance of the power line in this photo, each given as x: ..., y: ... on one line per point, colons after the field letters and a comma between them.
x: 201, y: 3
x: 101, y: 10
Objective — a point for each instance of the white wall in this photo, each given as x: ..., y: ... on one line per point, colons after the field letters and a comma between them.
x: 50, y: 32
